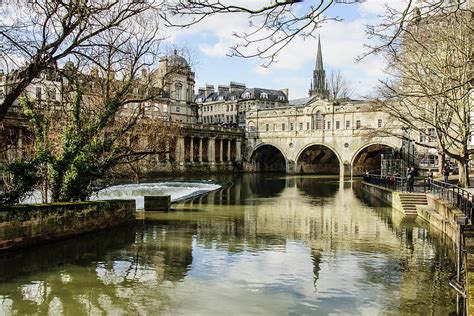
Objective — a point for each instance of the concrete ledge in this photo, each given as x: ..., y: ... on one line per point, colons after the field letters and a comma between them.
x: 469, y: 268
x: 378, y: 192
x: 26, y: 225
x: 433, y: 218
x: 157, y: 203
x: 442, y: 216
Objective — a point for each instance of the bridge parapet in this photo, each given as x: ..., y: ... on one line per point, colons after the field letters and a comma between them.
x: 346, y: 145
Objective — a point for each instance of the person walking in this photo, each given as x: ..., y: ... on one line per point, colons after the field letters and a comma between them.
x: 430, y: 179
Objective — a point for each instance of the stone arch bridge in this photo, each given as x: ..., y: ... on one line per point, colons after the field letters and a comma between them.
x: 343, y: 152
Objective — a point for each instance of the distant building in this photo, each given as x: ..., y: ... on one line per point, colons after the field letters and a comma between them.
x: 176, y: 78
x: 230, y: 104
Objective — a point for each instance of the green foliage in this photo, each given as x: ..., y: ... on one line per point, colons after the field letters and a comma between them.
x: 73, y: 147
x: 25, y: 175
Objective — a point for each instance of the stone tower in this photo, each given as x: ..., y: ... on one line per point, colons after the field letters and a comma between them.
x: 318, y: 83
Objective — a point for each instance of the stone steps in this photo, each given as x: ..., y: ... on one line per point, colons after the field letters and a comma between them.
x: 409, y: 201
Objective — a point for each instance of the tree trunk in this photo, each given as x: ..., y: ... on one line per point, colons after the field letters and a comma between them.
x: 441, y: 160
x: 463, y: 173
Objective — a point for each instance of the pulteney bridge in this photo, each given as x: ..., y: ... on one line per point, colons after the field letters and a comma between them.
x: 345, y: 152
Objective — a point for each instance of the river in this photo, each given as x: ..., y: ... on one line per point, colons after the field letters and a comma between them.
x: 263, y: 244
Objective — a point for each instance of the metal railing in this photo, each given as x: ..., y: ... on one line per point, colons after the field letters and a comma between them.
x: 453, y: 194
x: 389, y: 182
x: 450, y: 193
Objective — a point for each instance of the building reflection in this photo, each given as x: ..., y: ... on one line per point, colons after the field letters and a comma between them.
x: 136, y: 268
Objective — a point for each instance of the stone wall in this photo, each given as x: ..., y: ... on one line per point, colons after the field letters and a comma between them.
x: 380, y: 193
x: 26, y: 225
x: 442, y: 216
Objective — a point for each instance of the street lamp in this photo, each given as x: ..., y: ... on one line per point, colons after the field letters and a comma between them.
x: 410, y: 159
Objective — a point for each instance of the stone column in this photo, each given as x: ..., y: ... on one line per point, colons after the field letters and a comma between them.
x: 229, y: 143
x: 167, y: 149
x: 341, y: 171
x: 211, y: 150
x: 180, y: 149
x: 221, y: 150
x: 238, y: 150
x: 200, y: 149
x: 191, y: 149
x: 20, y: 137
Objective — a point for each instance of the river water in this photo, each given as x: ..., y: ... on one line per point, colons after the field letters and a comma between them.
x: 263, y: 244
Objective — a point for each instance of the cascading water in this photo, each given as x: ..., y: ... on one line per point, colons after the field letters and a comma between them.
x: 177, y: 191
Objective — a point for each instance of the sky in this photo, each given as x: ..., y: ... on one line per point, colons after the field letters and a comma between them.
x: 342, y: 42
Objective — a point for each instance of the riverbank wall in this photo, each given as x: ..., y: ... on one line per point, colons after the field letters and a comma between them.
x: 448, y: 222
x: 27, y: 225
x: 442, y: 216
x: 377, y: 192
x: 438, y: 214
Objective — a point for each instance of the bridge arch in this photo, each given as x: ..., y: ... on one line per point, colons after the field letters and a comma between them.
x: 368, y: 157
x: 318, y: 158
x: 268, y: 158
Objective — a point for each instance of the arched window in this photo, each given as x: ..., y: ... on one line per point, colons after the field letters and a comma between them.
x: 319, y: 120
x: 178, y: 90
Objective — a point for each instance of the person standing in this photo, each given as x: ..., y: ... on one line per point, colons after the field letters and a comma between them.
x: 410, y: 180
x: 430, y: 179
x: 446, y: 173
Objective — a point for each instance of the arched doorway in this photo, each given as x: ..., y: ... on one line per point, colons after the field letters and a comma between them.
x: 318, y: 159
x: 369, y: 158
x: 268, y: 158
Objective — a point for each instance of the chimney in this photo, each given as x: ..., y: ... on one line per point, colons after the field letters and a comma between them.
x: 209, y: 89
x: 286, y: 92
x: 201, y: 91
x: 222, y: 89
x: 236, y: 87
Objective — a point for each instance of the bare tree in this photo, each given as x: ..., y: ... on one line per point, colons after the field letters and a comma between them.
x: 103, y: 119
x: 339, y: 86
x: 394, y: 24
x: 272, y: 25
x: 38, y: 34
x: 430, y: 79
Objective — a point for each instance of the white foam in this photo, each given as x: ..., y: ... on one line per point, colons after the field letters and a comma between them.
x: 177, y: 190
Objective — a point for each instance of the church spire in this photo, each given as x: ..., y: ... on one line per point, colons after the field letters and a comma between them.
x: 318, y: 83
x: 319, y: 56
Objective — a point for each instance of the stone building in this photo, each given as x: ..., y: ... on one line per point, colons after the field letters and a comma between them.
x: 230, y: 104
x: 221, y: 106
x: 176, y: 77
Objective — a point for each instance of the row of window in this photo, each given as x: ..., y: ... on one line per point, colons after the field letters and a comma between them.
x: 219, y: 118
x: 319, y: 125
x: 210, y: 108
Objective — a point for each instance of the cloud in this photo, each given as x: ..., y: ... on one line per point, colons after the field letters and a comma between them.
x: 219, y: 49
x: 378, y: 7
x: 263, y: 71
x: 342, y: 42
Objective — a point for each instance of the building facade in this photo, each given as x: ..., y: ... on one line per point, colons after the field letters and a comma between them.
x: 229, y: 105
x: 175, y: 76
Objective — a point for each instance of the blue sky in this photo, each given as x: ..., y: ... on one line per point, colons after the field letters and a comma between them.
x: 341, y: 43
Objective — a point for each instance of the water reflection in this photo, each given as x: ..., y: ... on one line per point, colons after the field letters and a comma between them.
x: 287, y: 245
